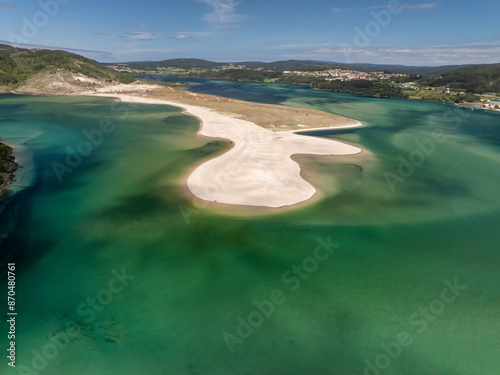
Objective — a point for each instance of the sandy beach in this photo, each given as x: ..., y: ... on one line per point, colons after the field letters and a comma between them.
x: 258, y: 170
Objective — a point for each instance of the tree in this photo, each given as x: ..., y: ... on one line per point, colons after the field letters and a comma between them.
x: 470, y: 97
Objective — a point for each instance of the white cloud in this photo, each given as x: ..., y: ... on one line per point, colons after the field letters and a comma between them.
x: 224, y: 11
x: 141, y: 35
x: 102, y: 33
x: 474, y: 53
x: 457, y: 51
x: 181, y: 36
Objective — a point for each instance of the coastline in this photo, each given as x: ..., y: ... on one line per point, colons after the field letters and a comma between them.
x: 9, y: 167
x: 259, y: 170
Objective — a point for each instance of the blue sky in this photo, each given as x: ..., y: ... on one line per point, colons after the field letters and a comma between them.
x: 409, y: 32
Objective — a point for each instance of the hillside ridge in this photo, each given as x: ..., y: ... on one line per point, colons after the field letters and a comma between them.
x: 48, y: 72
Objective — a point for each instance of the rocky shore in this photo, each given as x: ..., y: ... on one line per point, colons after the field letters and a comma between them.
x: 8, y: 167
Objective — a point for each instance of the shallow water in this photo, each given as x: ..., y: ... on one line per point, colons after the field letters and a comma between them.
x: 385, y: 254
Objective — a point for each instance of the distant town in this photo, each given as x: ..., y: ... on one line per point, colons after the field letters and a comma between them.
x: 346, y: 75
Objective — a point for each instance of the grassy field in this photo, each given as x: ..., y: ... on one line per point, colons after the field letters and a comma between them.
x: 434, y: 95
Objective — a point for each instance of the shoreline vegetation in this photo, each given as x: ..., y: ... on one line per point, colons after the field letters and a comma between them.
x: 8, y: 167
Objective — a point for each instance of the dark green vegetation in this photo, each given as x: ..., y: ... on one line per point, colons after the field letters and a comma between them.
x: 238, y: 75
x: 7, y: 164
x: 363, y: 87
x: 478, y: 79
x: 17, y: 65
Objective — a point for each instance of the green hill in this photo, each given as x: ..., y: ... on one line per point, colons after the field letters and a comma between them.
x: 478, y: 79
x: 20, y: 67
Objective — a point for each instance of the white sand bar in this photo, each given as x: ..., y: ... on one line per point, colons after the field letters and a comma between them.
x: 258, y: 170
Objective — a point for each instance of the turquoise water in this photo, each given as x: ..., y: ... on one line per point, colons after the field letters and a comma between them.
x: 375, y: 292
